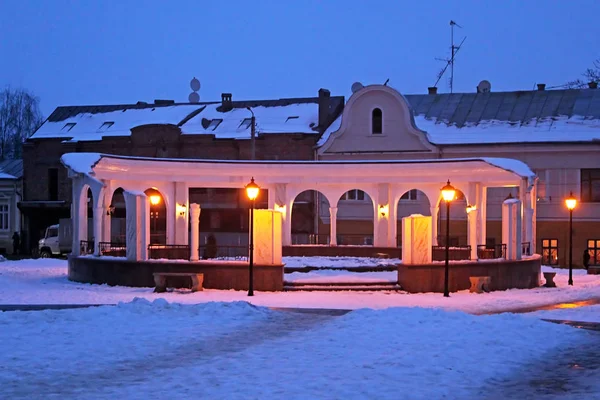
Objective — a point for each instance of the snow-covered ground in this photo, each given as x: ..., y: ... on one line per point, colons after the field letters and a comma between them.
x: 44, y: 281
x: 150, y: 346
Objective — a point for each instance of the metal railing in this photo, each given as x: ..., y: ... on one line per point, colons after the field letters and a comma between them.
x: 86, y: 247
x: 169, y: 251
x: 310, y: 238
x: 208, y: 252
x: 526, y: 248
x: 115, y: 249
x: 489, y: 252
x: 455, y: 253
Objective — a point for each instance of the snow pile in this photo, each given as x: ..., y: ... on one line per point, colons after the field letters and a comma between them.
x: 234, y: 350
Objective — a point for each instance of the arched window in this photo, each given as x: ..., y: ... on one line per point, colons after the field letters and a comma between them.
x: 377, y: 121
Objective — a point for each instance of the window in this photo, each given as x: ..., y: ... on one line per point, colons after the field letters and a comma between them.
x: 590, y: 185
x: 354, y: 194
x: 105, y: 126
x: 214, y: 124
x: 377, y: 121
x: 593, y: 249
x: 68, y: 126
x: 550, y: 251
x: 245, y: 123
x: 53, y: 184
x: 4, y: 217
x: 52, y: 232
x: 410, y: 195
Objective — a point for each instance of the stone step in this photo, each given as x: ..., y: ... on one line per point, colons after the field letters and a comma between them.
x: 342, y: 286
x: 377, y: 283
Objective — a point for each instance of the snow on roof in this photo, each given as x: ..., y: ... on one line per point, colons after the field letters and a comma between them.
x: 92, y: 126
x: 81, y: 163
x: 236, y: 124
x: 335, y: 125
x: 551, y: 129
x: 6, y: 176
x: 85, y: 162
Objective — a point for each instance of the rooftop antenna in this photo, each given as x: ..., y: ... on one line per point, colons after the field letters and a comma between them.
x: 450, y: 62
x: 386, y: 82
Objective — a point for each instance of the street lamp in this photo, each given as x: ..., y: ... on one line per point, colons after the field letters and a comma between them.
x: 448, y: 194
x: 571, y: 203
x: 252, y: 190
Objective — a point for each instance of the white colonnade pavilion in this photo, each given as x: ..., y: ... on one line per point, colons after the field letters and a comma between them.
x: 384, y: 181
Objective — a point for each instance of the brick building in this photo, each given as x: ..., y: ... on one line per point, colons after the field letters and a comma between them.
x: 286, y: 129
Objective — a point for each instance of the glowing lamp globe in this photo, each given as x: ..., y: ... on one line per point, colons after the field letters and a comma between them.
x: 448, y: 192
x: 571, y: 202
x: 252, y: 190
x: 154, y: 199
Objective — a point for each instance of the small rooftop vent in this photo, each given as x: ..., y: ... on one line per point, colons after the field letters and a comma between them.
x: 484, y: 87
x: 432, y: 90
x: 593, y: 85
x: 541, y: 86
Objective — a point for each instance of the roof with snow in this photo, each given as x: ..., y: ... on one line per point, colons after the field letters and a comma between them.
x: 11, y: 169
x: 85, y: 123
x: 540, y: 116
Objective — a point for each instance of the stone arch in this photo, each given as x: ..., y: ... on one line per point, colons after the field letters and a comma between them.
x: 117, y: 212
x: 458, y: 220
x: 308, y: 209
x: 411, y: 201
x: 355, y: 217
x: 86, y: 214
x: 158, y: 216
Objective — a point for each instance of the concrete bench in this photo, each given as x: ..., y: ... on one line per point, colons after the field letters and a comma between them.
x: 160, y: 280
x: 549, y: 277
x: 480, y: 284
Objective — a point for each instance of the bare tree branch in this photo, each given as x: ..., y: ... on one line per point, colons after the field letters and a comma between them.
x: 20, y: 116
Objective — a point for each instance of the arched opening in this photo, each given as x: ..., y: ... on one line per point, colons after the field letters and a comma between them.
x: 355, y: 219
x: 310, y: 214
x: 377, y: 121
x: 118, y: 218
x: 158, y: 216
x: 458, y: 221
x: 411, y: 202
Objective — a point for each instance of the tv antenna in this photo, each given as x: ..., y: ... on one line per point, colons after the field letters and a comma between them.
x: 450, y: 61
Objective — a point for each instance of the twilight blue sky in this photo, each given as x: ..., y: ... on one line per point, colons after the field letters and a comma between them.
x: 73, y: 52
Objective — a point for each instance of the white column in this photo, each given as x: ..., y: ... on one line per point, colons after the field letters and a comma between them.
x: 99, y: 214
x: 434, y: 224
x: 511, y: 228
x: 182, y: 206
x: 138, y: 225
x: 78, y: 215
x: 333, y: 226
x: 393, y: 226
x: 195, y: 231
x: 472, y: 218
x: 482, y: 213
x: 381, y: 222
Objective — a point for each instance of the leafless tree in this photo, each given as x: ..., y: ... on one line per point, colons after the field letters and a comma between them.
x: 590, y: 75
x: 20, y: 116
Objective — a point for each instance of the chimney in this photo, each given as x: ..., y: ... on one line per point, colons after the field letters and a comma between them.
x: 541, y: 86
x: 226, y: 102
x: 324, y: 107
x: 432, y: 90
x: 593, y: 85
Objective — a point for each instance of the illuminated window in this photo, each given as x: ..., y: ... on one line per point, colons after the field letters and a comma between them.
x: 354, y: 195
x: 550, y: 251
x: 593, y: 248
x: 410, y: 195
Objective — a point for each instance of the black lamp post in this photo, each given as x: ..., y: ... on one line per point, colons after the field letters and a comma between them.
x: 571, y: 203
x: 252, y: 190
x: 448, y: 194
